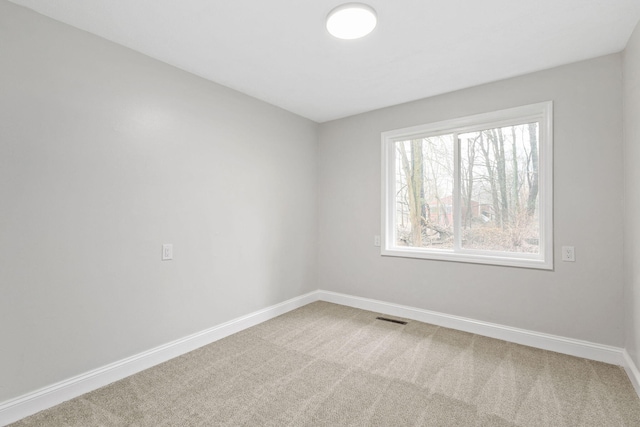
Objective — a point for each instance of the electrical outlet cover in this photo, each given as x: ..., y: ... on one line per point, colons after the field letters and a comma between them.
x: 167, y: 252
x: 568, y: 253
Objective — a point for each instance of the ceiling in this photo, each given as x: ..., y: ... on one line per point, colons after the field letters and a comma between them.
x: 280, y: 52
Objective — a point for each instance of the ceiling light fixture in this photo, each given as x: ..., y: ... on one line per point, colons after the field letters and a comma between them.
x: 351, y: 21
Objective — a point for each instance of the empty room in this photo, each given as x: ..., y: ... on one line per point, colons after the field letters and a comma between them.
x: 319, y: 213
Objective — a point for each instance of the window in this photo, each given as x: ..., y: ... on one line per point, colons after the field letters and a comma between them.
x: 475, y: 189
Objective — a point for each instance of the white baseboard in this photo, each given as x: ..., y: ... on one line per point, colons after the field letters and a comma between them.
x: 47, y: 397
x: 30, y: 403
x: 573, y: 347
x: 632, y: 371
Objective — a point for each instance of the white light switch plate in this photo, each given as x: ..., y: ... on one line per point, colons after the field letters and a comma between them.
x: 167, y: 252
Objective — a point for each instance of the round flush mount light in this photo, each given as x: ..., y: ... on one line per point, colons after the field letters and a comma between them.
x: 351, y: 21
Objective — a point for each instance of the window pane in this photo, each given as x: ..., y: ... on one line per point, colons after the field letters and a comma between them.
x: 424, y: 192
x: 499, y: 189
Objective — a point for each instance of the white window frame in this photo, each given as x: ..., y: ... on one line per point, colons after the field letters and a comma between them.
x: 541, y: 113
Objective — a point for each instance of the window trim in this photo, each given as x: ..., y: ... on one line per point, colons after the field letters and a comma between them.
x: 540, y: 112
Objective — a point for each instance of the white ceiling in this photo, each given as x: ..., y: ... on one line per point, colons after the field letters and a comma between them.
x: 280, y: 52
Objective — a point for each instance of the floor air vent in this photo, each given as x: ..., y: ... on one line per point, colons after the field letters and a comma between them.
x: 386, y: 319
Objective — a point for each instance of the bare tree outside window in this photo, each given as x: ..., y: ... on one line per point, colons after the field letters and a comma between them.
x: 500, y: 200
x: 425, y: 197
x: 498, y: 190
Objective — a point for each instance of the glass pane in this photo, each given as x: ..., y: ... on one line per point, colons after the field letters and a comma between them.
x: 424, y: 192
x: 499, y: 189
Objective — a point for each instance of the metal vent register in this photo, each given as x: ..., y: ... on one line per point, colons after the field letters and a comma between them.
x: 386, y: 319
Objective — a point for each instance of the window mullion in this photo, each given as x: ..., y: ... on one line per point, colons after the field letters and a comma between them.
x: 457, y: 237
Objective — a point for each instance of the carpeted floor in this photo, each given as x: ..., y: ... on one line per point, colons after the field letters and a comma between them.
x: 330, y: 365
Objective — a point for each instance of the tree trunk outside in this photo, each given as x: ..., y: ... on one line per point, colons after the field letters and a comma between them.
x: 412, y: 167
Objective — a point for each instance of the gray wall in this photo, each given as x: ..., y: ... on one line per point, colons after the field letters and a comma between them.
x: 581, y: 300
x: 631, y: 86
x: 105, y: 154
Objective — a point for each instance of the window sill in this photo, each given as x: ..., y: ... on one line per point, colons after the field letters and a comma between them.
x: 523, y: 261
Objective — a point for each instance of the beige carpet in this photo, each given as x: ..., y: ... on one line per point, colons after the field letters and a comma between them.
x: 330, y: 365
